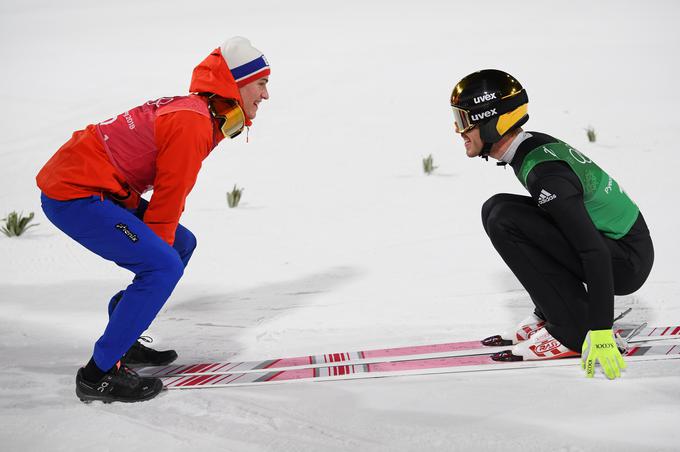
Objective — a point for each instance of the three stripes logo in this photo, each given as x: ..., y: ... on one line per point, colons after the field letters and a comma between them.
x: 545, y: 196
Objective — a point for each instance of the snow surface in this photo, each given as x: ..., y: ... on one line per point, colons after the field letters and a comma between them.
x: 341, y: 242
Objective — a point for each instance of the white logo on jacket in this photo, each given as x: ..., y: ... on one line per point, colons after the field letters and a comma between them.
x: 545, y: 197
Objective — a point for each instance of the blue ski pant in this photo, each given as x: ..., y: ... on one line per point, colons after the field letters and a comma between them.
x: 119, y: 235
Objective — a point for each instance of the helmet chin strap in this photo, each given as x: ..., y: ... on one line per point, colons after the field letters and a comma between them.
x: 486, y: 149
x: 484, y: 153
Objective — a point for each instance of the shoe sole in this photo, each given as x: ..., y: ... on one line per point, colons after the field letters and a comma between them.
x: 86, y: 398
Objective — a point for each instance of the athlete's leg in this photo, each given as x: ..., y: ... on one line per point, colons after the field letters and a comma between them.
x: 119, y: 236
x: 541, y: 258
x: 185, y: 244
x: 632, y: 258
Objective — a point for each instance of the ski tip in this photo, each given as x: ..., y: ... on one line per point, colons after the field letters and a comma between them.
x: 495, y: 341
x: 623, y: 314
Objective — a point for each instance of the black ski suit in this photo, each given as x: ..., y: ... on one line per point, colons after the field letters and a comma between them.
x: 555, y: 249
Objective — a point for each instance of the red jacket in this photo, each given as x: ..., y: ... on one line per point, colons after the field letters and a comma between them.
x: 160, y: 144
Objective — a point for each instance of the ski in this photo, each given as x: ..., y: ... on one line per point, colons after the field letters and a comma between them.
x: 444, y: 350
x: 399, y: 368
x: 324, y: 360
x: 658, y: 333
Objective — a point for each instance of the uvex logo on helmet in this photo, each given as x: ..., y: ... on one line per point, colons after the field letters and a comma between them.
x: 485, y: 98
x: 484, y: 114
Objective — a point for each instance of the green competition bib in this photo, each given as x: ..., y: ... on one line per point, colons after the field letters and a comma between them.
x: 611, y: 210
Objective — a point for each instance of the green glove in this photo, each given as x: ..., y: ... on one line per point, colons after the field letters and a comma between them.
x: 601, y: 346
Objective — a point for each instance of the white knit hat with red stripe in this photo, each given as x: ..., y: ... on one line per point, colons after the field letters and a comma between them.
x: 245, y: 62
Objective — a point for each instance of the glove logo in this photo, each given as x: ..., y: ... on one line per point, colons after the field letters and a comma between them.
x: 590, y: 367
x: 601, y: 346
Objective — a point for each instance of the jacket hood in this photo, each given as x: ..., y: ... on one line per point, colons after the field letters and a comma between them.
x: 212, y: 75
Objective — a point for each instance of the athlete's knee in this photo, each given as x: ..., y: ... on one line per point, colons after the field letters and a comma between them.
x: 493, y: 210
x: 167, y: 266
x: 185, y: 243
x: 191, y: 241
x: 174, y: 268
x: 487, y: 207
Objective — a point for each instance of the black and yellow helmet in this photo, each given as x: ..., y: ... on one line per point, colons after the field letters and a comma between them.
x: 491, y: 99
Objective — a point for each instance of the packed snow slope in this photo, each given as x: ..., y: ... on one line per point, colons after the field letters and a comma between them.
x: 341, y: 242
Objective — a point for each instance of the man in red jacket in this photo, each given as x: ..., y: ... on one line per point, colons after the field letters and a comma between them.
x: 92, y: 187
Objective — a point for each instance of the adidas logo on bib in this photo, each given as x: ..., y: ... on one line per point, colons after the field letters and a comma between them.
x: 545, y: 196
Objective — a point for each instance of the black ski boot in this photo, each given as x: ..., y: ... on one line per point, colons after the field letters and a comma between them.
x: 140, y: 355
x: 120, y: 384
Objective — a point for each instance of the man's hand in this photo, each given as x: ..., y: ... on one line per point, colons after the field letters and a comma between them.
x: 601, y: 346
